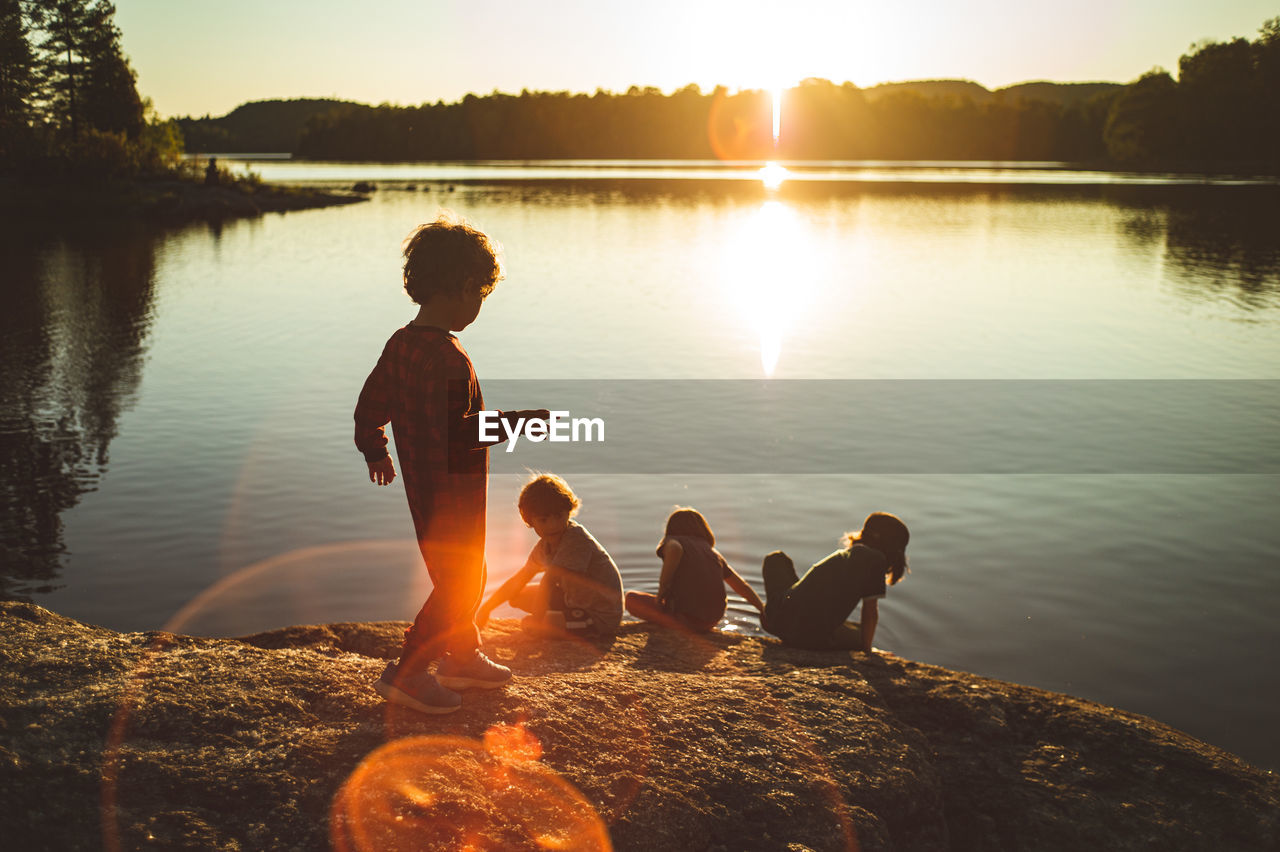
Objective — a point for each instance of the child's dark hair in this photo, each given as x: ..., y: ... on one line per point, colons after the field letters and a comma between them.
x: 547, y: 494
x: 687, y: 521
x: 449, y: 256
x: 887, y: 534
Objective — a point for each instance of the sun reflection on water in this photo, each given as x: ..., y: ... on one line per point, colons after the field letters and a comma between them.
x: 772, y: 175
x: 769, y: 271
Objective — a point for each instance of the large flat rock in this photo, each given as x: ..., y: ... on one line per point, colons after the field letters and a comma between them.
x: 657, y: 741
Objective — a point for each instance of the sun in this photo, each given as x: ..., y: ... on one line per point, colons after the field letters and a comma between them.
x: 772, y: 175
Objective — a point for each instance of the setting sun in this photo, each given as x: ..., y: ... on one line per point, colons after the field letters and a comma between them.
x: 772, y: 175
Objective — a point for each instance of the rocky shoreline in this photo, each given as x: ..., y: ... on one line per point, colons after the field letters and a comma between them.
x: 655, y: 741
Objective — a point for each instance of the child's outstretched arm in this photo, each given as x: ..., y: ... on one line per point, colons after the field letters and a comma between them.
x: 870, y: 617
x: 508, y: 590
x: 742, y: 587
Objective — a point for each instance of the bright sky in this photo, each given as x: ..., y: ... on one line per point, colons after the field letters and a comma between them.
x: 198, y: 56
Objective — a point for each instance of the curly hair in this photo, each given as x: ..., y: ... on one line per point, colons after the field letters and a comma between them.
x: 887, y: 534
x: 449, y: 256
x: 547, y: 494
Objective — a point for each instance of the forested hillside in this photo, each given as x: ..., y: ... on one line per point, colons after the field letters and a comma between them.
x: 258, y: 127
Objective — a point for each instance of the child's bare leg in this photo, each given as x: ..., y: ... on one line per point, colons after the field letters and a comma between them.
x: 532, y: 599
x: 645, y: 607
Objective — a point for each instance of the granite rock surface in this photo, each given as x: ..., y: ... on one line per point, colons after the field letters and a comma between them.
x: 655, y: 741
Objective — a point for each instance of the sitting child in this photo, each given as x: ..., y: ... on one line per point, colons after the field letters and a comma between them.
x: 581, y: 589
x: 810, y: 612
x: 691, y: 587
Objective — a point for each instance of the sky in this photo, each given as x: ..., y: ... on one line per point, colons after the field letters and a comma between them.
x: 198, y: 57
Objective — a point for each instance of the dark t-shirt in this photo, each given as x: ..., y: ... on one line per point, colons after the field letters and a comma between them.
x: 697, y: 591
x: 828, y: 592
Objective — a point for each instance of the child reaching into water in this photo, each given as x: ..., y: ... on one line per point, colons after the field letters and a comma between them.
x: 810, y: 612
x: 581, y: 589
x: 424, y: 385
x: 691, y: 587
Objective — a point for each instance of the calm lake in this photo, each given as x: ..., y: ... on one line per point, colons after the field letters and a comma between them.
x: 1066, y: 383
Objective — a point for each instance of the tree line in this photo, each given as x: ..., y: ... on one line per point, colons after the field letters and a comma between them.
x: 821, y: 120
x: 1223, y: 108
x: 68, y: 96
x: 68, y: 100
x: 1223, y: 111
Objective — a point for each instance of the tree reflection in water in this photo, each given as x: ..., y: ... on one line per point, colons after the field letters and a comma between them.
x: 1219, y: 244
x: 77, y: 312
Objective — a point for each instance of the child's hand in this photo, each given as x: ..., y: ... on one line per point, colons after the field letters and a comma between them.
x: 383, y: 471
x: 535, y: 414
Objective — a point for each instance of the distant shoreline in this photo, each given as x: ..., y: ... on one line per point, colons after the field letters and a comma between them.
x: 1234, y: 171
x: 167, y: 200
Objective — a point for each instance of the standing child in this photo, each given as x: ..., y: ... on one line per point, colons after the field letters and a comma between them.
x: 810, y: 612
x: 691, y: 586
x: 425, y: 387
x: 581, y: 590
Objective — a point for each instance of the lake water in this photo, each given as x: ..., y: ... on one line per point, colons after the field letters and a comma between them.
x: 1064, y: 382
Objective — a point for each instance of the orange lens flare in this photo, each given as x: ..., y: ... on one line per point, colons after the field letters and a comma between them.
x: 739, y: 126
x: 454, y: 793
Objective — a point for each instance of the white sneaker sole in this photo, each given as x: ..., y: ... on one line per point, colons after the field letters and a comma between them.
x: 404, y: 699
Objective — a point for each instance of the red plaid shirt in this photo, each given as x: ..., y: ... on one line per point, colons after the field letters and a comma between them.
x: 425, y: 386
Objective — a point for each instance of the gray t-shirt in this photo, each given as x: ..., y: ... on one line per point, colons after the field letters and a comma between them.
x: 586, y: 574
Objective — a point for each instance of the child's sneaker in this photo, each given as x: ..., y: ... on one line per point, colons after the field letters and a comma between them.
x: 474, y: 669
x: 420, y: 691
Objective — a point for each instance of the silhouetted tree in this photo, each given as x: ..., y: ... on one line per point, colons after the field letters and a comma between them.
x: 18, y: 80
x: 111, y: 100
x: 1218, y: 90
x: 90, y: 82
x: 1222, y: 113
x: 1143, y: 124
x: 1267, y: 53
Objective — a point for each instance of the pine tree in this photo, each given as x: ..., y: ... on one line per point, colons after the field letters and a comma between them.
x: 18, y: 80
x: 111, y: 100
x: 90, y: 83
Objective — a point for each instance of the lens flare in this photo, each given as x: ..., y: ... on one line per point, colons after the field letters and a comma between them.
x: 454, y: 793
x: 738, y: 125
x: 777, y: 114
